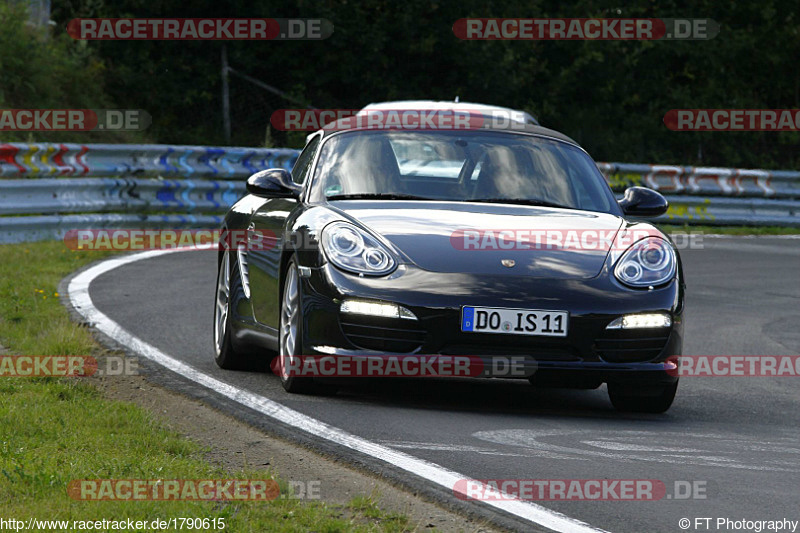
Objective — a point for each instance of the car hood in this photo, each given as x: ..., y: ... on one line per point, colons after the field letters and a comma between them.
x: 491, y: 239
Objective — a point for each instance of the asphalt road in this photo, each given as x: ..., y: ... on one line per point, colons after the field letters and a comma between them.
x: 739, y: 437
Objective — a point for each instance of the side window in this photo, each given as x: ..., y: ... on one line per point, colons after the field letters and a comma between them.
x: 304, y: 160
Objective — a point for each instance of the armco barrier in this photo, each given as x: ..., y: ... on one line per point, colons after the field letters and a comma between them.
x: 709, y: 181
x: 48, y: 189
x: 716, y: 211
x: 94, y: 186
x: 40, y: 160
x: 40, y: 228
x: 715, y: 196
x: 82, y: 195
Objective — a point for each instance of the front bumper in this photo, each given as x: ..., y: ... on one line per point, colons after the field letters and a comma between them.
x: 587, y: 356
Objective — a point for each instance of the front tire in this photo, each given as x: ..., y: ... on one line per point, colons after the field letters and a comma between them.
x: 226, y: 355
x: 637, y: 400
x: 290, y: 334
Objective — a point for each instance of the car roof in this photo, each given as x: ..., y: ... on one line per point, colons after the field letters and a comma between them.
x: 351, y: 124
x: 440, y: 105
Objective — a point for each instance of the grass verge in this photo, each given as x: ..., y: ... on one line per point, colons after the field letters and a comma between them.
x: 53, y: 431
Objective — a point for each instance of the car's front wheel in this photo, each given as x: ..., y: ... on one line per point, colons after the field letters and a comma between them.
x: 226, y: 355
x: 638, y: 400
x: 290, y: 334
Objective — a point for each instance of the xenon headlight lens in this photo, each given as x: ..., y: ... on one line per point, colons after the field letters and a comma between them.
x: 649, y: 262
x: 354, y: 250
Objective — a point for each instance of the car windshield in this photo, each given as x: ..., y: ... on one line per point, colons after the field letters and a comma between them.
x: 465, y: 166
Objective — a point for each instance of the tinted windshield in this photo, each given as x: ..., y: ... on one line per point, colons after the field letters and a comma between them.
x: 459, y: 166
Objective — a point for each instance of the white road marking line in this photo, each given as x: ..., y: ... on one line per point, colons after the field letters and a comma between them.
x: 78, y: 290
x: 534, y: 442
x: 436, y: 447
x: 413, y: 445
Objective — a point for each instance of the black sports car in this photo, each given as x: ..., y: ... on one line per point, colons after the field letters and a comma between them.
x: 481, y: 242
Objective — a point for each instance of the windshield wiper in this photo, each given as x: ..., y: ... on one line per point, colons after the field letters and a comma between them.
x: 377, y: 196
x: 520, y: 201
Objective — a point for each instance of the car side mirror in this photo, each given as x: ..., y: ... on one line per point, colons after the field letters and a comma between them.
x: 643, y: 202
x: 273, y: 183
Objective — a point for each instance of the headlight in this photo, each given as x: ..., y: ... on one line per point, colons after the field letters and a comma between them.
x: 647, y: 320
x: 354, y: 250
x: 381, y: 309
x: 649, y: 262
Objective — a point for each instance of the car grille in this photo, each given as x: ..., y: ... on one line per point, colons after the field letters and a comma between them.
x: 631, y: 346
x: 396, y: 335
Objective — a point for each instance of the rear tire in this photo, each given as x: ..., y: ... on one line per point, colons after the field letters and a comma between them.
x: 290, y: 334
x: 637, y: 400
x: 226, y: 355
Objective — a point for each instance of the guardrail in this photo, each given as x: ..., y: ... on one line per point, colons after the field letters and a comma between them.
x: 38, y: 160
x: 709, y: 181
x: 71, y: 186
x: 715, y: 196
x: 126, y: 195
x: 48, y: 189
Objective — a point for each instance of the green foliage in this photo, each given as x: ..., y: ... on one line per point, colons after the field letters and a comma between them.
x: 48, y: 72
x: 611, y: 96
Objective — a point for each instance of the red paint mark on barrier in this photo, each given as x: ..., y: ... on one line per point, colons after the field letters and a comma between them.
x: 58, y: 159
x: 8, y: 154
x: 79, y: 159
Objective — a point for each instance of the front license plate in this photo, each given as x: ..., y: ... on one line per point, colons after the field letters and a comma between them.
x: 514, y: 321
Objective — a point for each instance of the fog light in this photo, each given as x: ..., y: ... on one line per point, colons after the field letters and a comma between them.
x: 651, y: 320
x: 386, y: 310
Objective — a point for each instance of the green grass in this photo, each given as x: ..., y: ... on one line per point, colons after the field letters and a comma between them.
x: 367, y: 507
x: 53, y: 431
x: 729, y: 230
x: 31, y: 319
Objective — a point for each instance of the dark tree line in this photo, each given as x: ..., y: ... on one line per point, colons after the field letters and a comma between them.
x: 611, y: 96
